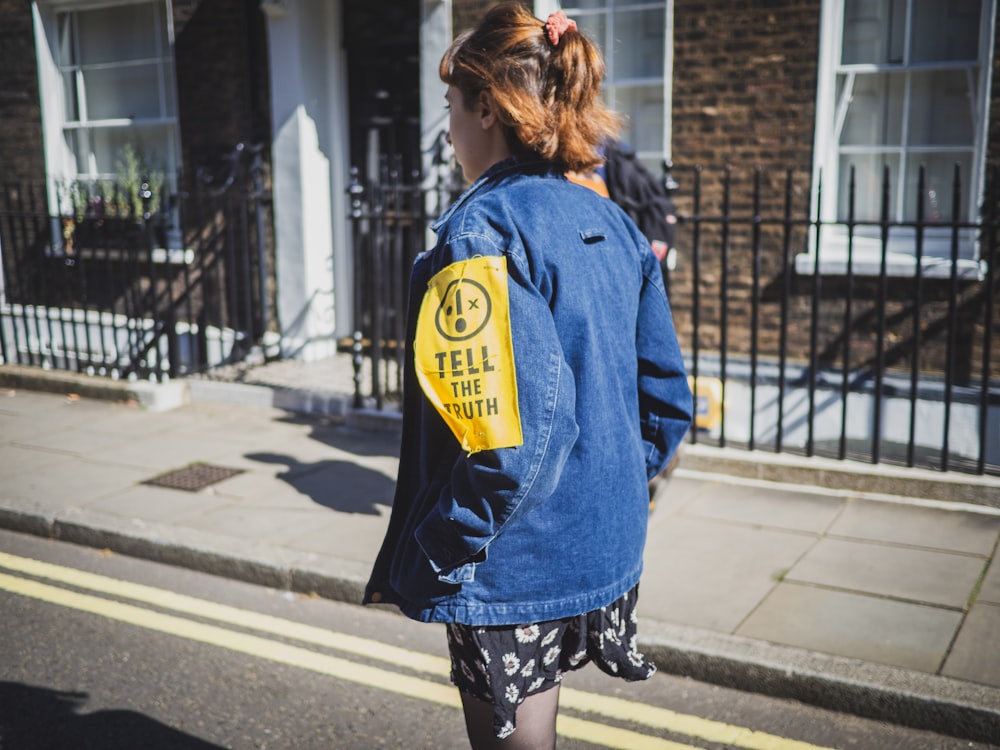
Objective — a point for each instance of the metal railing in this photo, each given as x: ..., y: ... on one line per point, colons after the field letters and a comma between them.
x: 873, y: 340
x: 105, y: 288
x: 880, y: 334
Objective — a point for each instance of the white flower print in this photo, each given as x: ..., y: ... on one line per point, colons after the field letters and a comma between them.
x: 529, y: 669
x: 505, y: 731
x: 636, y: 658
x: 551, y: 655
x: 613, y: 667
x: 486, y: 655
x: 511, y: 693
x: 634, y: 617
x: 511, y: 663
x: 612, y: 635
x: 527, y: 633
x: 535, y: 685
x: 551, y: 636
x: 577, y: 657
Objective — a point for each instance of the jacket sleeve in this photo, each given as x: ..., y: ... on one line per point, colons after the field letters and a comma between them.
x: 487, y: 488
x: 665, y: 402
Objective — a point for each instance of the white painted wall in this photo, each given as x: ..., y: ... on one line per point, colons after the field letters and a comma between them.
x: 309, y: 154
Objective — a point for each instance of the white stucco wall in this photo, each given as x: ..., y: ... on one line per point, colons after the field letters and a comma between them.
x: 309, y: 151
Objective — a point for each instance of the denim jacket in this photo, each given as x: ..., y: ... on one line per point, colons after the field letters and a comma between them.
x: 549, y: 521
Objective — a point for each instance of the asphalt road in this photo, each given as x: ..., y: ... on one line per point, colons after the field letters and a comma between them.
x: 104, y: 651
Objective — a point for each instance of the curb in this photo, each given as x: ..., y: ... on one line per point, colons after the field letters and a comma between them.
x: 846, y: 476
x: 149, y: 395
x: 914, y: 699
x: 896, y: 696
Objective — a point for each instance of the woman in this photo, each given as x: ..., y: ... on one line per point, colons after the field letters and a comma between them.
x: 545, y: 389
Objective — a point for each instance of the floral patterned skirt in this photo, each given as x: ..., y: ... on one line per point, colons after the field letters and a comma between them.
x: 504, y: 665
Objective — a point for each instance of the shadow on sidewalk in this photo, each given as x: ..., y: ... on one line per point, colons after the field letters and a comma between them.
x: 38, y: 718
x: 338, y: 485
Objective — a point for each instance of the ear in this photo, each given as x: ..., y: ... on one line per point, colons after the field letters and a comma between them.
x: 488, y: 110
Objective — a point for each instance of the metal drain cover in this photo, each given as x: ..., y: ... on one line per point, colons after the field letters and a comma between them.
x: 193, y: 477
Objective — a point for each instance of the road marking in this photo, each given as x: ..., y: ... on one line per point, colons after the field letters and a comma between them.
x: 262, y: 648
x: 613, y: 708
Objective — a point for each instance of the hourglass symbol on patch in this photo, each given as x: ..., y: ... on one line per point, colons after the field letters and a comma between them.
x: 464, y: 310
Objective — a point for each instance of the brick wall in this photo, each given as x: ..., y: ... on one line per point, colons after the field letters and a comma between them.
x: 22, y: 157
x: 744, y: 95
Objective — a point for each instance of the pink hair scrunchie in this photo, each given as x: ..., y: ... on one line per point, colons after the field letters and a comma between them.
x: 557, y: 25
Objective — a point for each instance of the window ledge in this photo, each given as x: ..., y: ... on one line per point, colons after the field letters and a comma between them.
x: 897, y: 265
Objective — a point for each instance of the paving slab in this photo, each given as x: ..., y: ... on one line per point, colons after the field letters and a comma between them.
x: 712, y: 574
x: 989, y: 591
x: 975, y: 655
x: 68, y: 480
x: 900, y: 634
x: 935, y: 528
x: 353, y: 538
x: 926, y: 576
x: 156, y: 504
x: 779, y: 509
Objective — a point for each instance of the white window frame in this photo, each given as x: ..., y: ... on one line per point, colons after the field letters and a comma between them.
x: 829, y: 255
x: 60, y: 161
x: 651, y: 158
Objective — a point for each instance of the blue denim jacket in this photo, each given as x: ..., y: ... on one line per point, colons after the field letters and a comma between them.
x: 556, y: 525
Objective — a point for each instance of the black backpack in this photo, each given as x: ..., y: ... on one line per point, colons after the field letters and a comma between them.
x: 643, y: 197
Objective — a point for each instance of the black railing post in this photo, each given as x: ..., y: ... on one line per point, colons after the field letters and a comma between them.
x: 724, y: 299
x: 786, y: 294
x: 918, y: 297
x: 848, y: 317
x: 754, y: 301
x: 989, y: 221
x: 949, y: 366
x: 883, y: 293
x: 814, y: 322
x: 695, y: 290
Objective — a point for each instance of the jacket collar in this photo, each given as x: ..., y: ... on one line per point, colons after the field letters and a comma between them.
x: 500, y: 170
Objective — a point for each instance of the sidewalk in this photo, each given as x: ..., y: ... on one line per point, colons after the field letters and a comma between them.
x: 884, y: 605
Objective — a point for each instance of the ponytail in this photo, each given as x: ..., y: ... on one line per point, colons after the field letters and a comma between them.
x: 545, y: 79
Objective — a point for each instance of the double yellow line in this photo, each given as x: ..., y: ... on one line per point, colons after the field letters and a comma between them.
x: 617, y: 709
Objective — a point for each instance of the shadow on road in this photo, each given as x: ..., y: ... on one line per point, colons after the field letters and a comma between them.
x: 38, y: 718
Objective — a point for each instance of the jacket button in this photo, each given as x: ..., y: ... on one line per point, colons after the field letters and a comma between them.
x: 376, y: 597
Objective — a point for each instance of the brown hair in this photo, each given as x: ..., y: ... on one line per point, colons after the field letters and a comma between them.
x: 548, y: 96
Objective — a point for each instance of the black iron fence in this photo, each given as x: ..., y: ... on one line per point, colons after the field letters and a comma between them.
x: 874, y: 339
x: 871, y: 339
x: 108, y: 282
x: 390, y: 216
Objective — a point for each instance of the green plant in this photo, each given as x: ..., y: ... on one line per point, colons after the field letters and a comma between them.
x: 131, y: 168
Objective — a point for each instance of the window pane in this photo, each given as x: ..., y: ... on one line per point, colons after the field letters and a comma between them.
x: 939, y: 182
x: 595, y: 26
x: 940, y: 109
x: 70, y: 100
x: 586, y: 4
x: 122, y: 92
x: 874, y: 31
x: 119, y: 33
x: 945, y: 30
x: 638, y: 44
x: 868, y: 178
x: 643, y: 105
x: 875, y: 114
x: 151, y: 143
